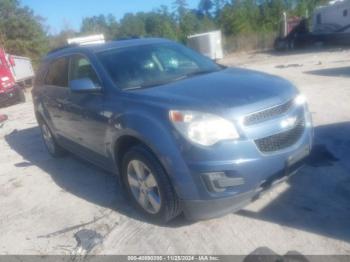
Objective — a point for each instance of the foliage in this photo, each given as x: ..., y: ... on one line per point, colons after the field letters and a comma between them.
x: 23, y: 33
x: 101, y: 24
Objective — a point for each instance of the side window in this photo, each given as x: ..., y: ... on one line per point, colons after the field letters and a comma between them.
x: 80, y: 67
x: 58, y: 73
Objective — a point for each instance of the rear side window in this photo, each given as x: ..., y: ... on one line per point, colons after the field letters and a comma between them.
x: 58, y: 73
x: 81, y: 67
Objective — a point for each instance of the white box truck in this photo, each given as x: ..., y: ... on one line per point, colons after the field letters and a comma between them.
x: 21, y: 68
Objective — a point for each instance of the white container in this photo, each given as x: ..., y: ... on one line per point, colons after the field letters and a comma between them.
x: 87, y: 40
x: 208, y: 44
x: 21, y: 68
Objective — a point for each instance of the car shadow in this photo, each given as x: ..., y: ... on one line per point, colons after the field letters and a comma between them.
x: 75, y: 175
x: 313, y: 49
x: 331, y: 72
x: 317, y: 199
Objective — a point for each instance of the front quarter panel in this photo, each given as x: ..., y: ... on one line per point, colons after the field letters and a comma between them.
x: 150, y: 126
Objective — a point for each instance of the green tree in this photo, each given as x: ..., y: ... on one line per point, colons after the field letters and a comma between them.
x: 22, y: 32
x: 271, y: 12
x: 101, y: 24
x: 240, y: 17
x: 205, y: 6
x: 59, y: 40
x: 160, y: 24
x: 132, y: 25
x: 218, y: 6
x: 191, y: 23
x: 304, y: 7
x: 180, y: 7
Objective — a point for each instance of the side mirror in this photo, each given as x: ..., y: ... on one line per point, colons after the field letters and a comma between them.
x: 84, y: 85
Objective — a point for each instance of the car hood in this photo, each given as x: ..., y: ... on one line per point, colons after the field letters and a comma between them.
x: 227, y: 88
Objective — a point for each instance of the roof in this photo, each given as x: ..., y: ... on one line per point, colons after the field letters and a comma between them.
x: 333, y: 4
x: 96, y: 48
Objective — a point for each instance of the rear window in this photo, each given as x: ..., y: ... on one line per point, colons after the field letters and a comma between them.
x: 58, y: 73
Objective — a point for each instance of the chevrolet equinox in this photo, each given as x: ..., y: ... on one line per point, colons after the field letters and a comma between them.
x: 183, y: 134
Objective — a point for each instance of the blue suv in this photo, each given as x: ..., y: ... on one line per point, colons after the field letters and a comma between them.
x: 183, y: 134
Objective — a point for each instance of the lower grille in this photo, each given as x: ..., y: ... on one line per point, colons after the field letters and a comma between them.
x: 282, y: 140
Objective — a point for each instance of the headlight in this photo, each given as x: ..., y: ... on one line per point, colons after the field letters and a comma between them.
x: 300, y: 100
x: 202, y: 128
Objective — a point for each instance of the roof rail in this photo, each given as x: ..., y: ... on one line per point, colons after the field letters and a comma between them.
x: 87, y: 40
x: 61, y: 48
x: 128, y: 38
x: 81, y: 41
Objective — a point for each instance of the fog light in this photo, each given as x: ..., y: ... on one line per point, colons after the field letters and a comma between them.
x: 220, y: 181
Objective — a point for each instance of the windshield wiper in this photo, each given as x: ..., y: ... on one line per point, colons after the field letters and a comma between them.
x: 199, y: 72
x: 194, y: 73
x: 147, y: 85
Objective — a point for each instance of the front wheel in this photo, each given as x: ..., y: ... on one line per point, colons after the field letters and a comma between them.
x: 149, y: 186
x: 52, y: 147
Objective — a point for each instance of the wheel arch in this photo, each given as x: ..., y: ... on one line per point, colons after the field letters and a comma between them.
x: 124, y: 143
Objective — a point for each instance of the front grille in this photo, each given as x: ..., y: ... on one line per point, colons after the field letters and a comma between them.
x: 267, y: 114
x: 282, y: 140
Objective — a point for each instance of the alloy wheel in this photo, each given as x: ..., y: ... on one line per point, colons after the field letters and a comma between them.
x: 144, y: 186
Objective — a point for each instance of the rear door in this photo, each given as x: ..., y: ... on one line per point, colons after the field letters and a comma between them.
x: 55, y: 94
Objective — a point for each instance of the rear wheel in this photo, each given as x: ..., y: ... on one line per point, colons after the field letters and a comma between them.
x: 54, y: 149
x: 148, y: 185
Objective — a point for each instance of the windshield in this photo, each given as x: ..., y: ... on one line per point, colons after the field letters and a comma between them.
x: 151, y: 65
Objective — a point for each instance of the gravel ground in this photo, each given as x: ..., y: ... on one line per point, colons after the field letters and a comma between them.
x: 67, y: 206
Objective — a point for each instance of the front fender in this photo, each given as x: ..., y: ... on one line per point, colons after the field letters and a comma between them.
x: 154, y: 133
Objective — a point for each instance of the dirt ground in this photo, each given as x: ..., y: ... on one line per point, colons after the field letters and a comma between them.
x: 67, y: 206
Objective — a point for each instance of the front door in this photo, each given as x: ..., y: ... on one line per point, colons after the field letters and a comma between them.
x: 85, y: 110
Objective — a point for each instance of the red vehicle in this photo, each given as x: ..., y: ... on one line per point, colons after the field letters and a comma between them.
x: 10, y: 91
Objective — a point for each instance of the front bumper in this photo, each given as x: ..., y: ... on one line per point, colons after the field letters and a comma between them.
x: 207, y: 209
x: 241, y: 161
x: 9, y: 95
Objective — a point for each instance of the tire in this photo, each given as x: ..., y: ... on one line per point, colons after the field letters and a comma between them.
x: 21, y: 96
x: 51, y: 145
x: 166, y: 207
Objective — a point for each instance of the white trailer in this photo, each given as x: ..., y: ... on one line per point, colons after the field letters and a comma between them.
x: 208, y: 44
x: 21, y: 68
x: 332, y: 17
